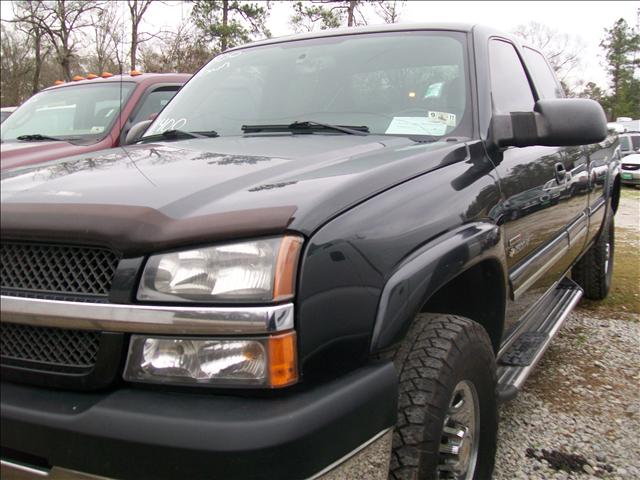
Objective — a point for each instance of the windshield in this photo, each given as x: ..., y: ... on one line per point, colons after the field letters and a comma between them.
x: 625, y: 143
x: 82, y: 113
x: 408, y: 83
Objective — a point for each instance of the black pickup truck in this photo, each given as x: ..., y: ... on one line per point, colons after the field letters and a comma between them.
x: 325, y: 244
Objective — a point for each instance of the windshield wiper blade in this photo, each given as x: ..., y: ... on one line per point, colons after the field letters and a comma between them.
x: 36, y: 137
x: 306, y: 126
x: 177, y: 134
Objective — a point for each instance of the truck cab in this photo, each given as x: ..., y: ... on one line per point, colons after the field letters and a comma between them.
x: 325, y: 245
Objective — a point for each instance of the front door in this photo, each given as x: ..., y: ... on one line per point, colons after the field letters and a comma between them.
x: 543, y: 202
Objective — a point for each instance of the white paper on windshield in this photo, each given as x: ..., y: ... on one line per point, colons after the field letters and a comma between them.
x: 415, y: 126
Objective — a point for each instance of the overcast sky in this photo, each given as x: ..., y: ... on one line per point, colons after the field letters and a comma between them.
x: 583, y: 19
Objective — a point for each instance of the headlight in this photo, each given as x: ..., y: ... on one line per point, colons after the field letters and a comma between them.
x: 233, y: 362
x: 254, y: 271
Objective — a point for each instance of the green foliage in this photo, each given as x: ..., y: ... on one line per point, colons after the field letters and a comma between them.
x: 307, y: 17
x: 622, y: 52
x: 324, y: 14
x: 227, y: 24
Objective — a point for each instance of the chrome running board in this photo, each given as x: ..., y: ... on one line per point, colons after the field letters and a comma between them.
x: 524, y: 352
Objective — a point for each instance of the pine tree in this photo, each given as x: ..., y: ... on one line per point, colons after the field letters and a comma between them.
x: 622, y: 47
x: 227, y: 23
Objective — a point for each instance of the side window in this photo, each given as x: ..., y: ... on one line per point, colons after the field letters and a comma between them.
x: 509, y: 85
x: 154, y: 102
x: 544, y: 78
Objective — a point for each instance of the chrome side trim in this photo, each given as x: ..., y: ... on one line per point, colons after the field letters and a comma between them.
x: 351, y: 454
x: 524, y: 286
x: 578, y: 228
x: 599, y: 203
x: 146, y: 318
x: 16, y: 471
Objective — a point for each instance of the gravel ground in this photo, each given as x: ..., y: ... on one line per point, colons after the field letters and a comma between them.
x: 580, y: 409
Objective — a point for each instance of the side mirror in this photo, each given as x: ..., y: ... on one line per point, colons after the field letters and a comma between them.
x: 557, y: 122
x: 136, y: 132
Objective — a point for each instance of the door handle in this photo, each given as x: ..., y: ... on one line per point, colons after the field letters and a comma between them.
x: 561, y: 173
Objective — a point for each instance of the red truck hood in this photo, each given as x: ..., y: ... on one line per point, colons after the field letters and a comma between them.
x: 15, y: 154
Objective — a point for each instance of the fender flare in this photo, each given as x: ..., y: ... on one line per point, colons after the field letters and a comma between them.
x: 426, y: 270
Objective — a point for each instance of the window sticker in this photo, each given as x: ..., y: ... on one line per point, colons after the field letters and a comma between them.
x: 415, y: 126
x: 449, y: 119
x: 97, y: 129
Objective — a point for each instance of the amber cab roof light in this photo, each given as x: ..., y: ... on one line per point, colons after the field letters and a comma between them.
x: 91, y: 76
x: 106, y: 75
x: 135, y: 73
x: 77, y: 78
x: 58, y: 82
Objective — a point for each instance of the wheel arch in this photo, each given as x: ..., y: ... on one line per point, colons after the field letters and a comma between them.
x: 468, y: 261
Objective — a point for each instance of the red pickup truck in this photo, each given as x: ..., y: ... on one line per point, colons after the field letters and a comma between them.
x: 83, y: 116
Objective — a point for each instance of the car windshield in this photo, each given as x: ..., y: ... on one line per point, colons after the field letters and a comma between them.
x: 408, y: 83
x: 83, y: 113
x: 625, y: 143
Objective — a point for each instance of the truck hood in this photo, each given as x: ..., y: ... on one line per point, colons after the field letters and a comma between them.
x: 15, y: 154
x: 152, y: 196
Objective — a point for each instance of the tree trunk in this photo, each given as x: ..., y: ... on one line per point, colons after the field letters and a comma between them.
x: 224, y: 38
x: 134, y: 44
x: 350, y: 11
x: 38, y: 63
x: 65, y: 63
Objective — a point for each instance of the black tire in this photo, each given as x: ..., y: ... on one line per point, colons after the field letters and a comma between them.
x: 594, y: 270
x: 439, y: 353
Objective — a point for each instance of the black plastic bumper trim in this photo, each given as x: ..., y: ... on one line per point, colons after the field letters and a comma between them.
x: 142, y: 434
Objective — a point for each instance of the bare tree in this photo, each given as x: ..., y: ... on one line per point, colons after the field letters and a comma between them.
x: 23, y: 11
x: 389, y: 11
x: 59, y: 21
x: 137, y: 9
x: 181, y: 51
x: 15, y: 65
x: 562, y: 50
x: 106, y: 39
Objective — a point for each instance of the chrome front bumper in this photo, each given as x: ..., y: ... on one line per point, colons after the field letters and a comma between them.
x: 16, y: 471
x: 147, y: 318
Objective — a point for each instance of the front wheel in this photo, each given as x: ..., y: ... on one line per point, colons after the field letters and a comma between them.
x: 447, y: 411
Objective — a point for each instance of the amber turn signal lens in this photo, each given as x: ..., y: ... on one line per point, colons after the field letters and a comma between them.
x: 283, y: 368
x: 286, y: 268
